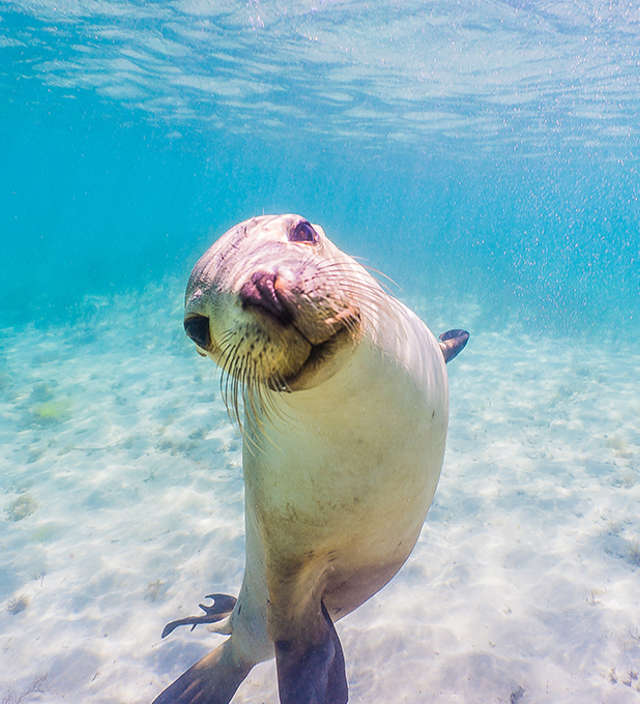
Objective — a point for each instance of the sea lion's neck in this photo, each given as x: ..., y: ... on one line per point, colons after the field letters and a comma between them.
x: 400, y: 354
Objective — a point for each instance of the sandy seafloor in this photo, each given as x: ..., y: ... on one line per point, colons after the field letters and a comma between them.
x: 121, y: 507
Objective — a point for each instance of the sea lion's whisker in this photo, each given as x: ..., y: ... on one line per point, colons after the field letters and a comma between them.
x: 230, y: 392
x: 377, y: 274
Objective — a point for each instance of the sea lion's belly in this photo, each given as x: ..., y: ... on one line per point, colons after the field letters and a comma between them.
x: 337, y: 495
x: 353, y: 501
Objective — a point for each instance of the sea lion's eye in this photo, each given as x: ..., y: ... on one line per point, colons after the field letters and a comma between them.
x: 303, y: 232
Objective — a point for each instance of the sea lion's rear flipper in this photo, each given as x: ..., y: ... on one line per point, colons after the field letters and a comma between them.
x: 223, y: 605
x: 311, y: 669
x: 212, y: 680
x: 452, y: 343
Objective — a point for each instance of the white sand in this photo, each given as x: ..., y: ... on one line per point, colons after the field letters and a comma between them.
x: 121, y: 507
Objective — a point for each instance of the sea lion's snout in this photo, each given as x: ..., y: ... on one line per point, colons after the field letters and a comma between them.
x: 197, y: 328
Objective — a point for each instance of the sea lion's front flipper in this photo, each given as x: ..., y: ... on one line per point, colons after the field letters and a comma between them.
x: 223, y: 605
x: 311, y: 666
x: 212, y: 680
x: 452, y: 343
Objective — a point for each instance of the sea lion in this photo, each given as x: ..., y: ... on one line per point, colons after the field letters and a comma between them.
x: 345, y: 411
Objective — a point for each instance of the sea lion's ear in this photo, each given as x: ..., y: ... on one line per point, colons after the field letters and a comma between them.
x: 452, y: 343
x: 311, y: 667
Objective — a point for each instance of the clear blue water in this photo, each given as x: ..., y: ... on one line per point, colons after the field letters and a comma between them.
x: 487, y: 148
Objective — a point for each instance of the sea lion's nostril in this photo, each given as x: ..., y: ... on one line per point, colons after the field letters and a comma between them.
x: 197, y: 328
x: 263, y: 292
x: 263, y: 280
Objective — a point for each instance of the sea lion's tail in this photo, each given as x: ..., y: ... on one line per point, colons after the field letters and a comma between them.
x: 212, y: 680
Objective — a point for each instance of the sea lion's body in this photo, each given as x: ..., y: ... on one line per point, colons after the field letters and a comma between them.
x: 340, y: 491
x: 341, y: 456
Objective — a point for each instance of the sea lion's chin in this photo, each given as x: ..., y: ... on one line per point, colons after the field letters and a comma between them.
x: 324, y: 361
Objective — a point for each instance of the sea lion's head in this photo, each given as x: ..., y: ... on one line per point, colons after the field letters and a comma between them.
x: 277, y: 305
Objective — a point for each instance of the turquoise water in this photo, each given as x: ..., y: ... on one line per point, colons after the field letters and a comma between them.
x: 485, y: 156
x: 487, y: 147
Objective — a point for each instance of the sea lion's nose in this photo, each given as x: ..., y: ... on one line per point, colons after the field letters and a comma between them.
x: 197, y: 328
x: 263, y: 291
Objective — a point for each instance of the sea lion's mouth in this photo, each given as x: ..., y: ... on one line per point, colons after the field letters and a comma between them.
x: 319, y: 354
x: 197, y: 327
x: 270, y: 296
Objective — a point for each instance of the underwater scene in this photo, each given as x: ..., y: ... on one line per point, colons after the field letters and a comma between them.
x: 481, y: 160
